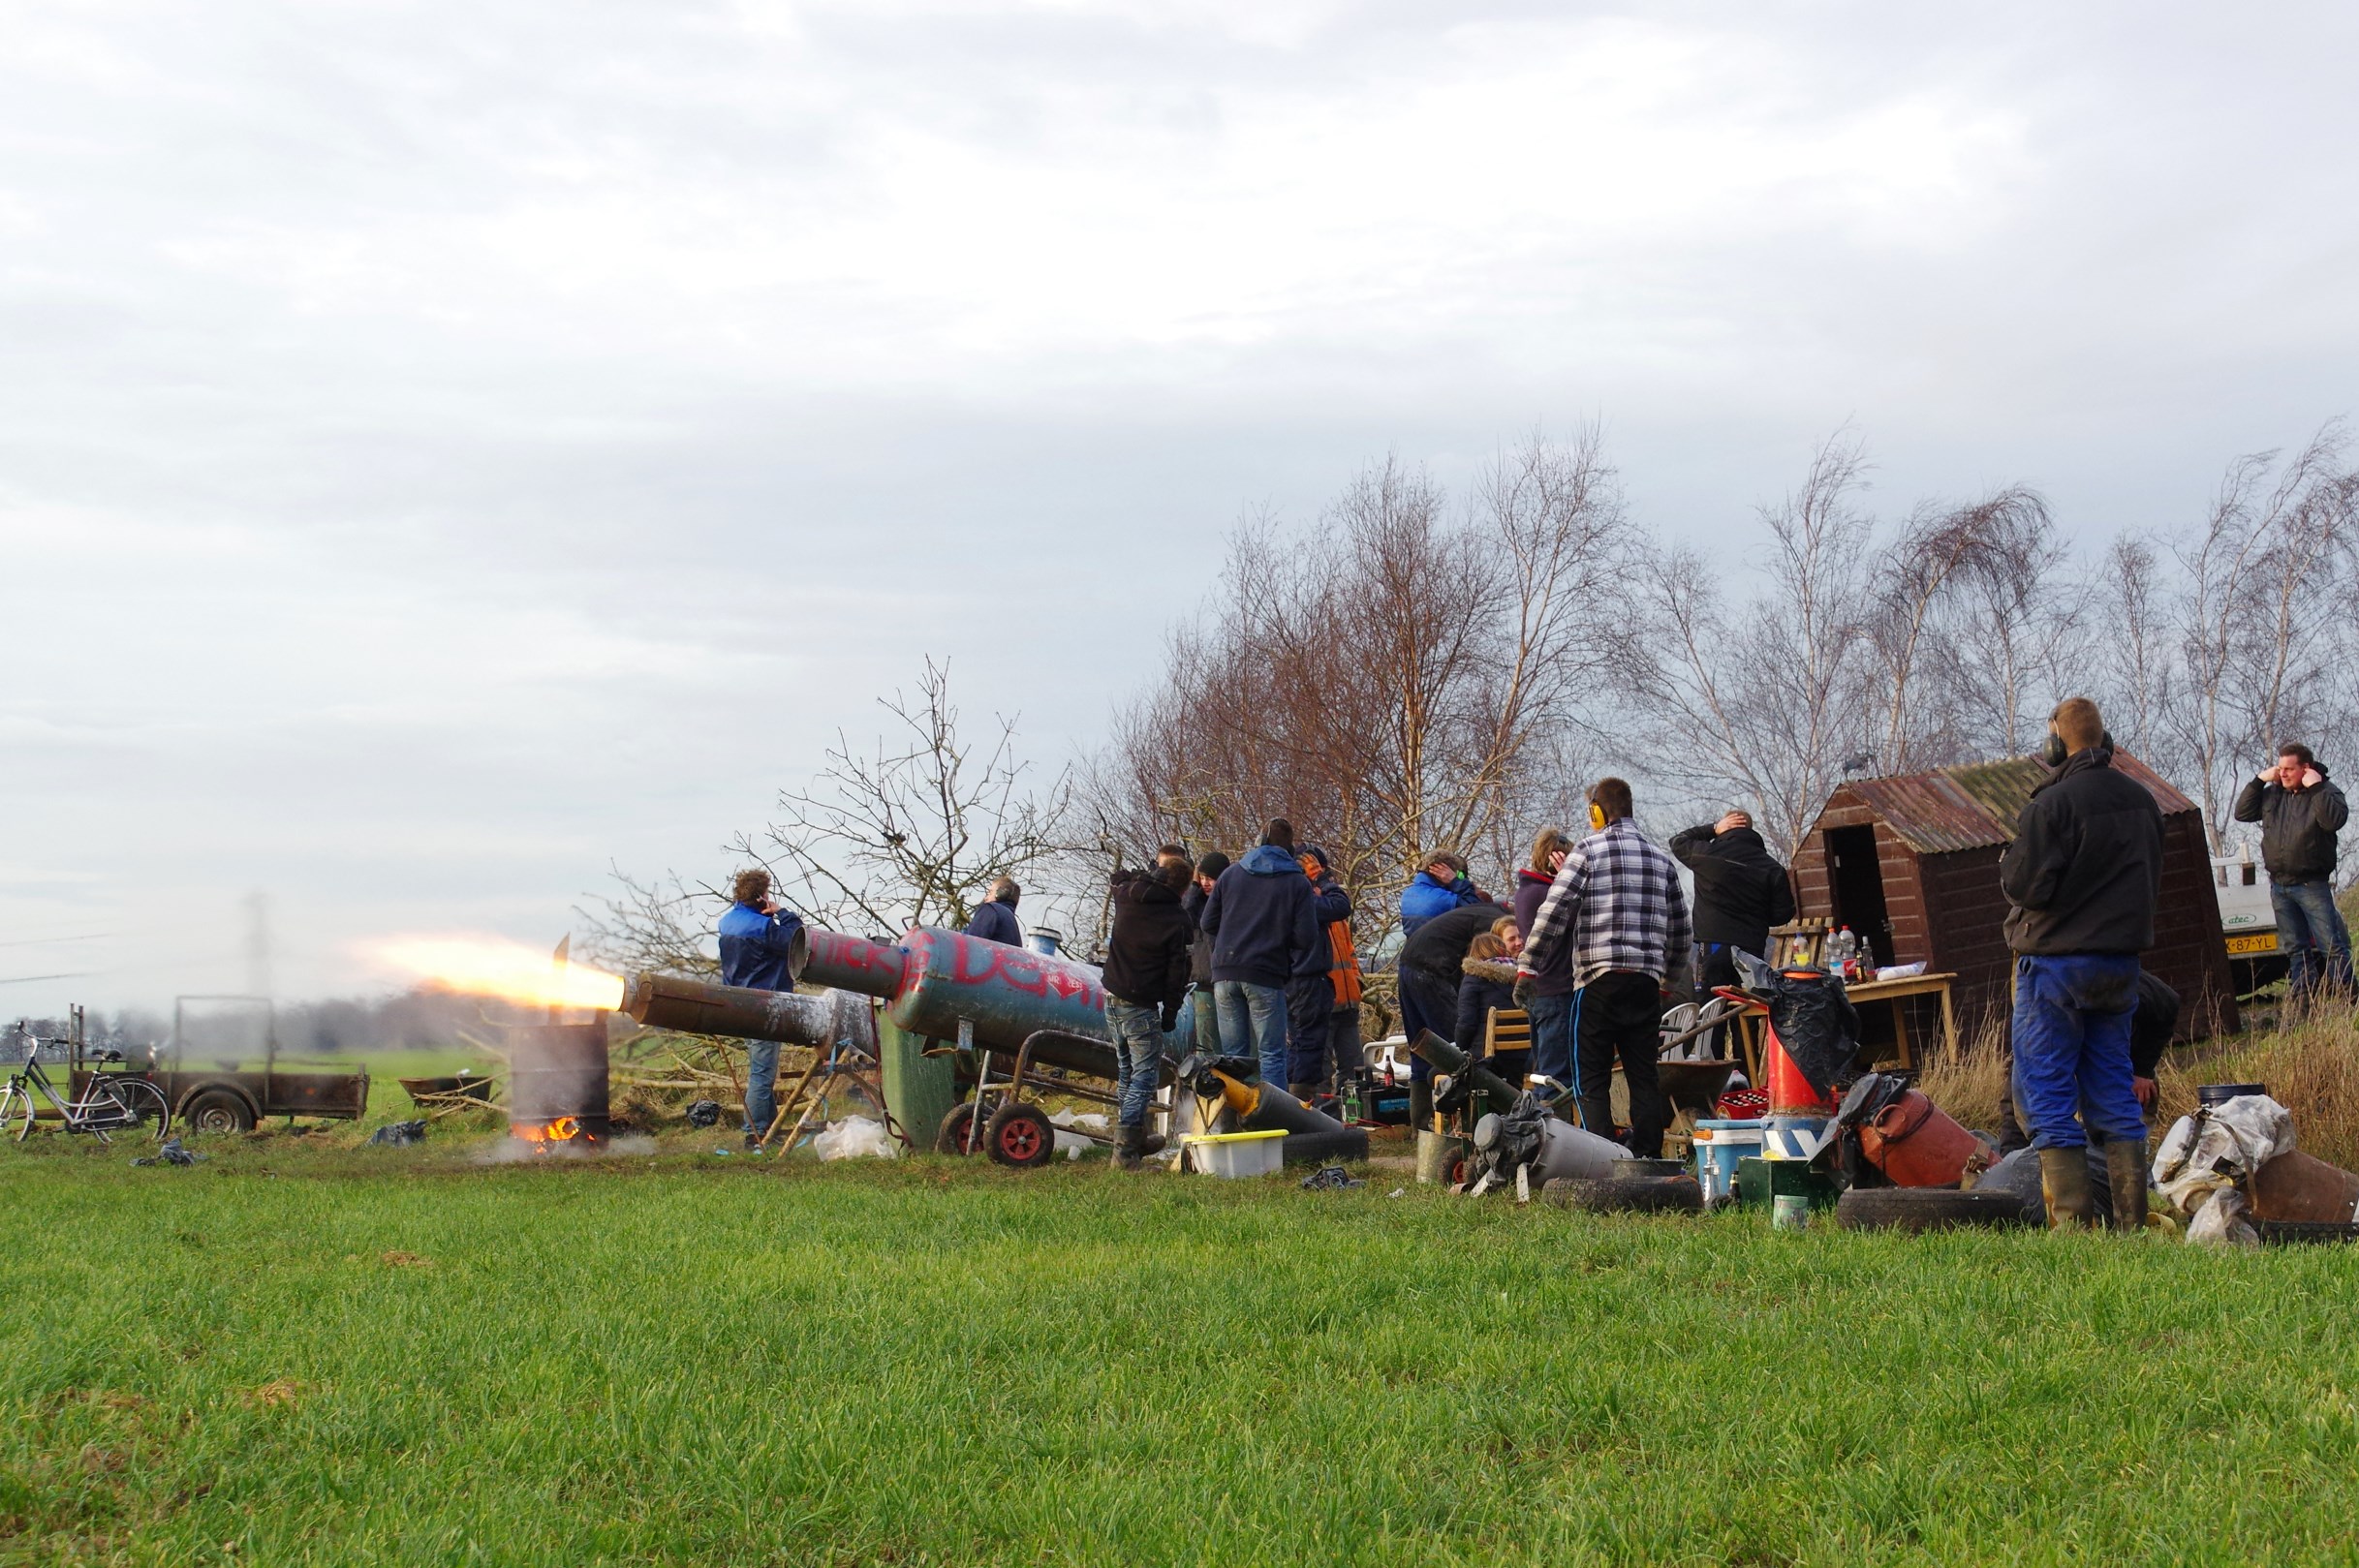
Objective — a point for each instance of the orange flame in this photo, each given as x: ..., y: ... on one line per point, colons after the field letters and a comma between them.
x: 496, y: 967
x: 541, y: 1135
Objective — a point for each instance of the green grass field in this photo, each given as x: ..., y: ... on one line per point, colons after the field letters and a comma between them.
x: 302, y: 1352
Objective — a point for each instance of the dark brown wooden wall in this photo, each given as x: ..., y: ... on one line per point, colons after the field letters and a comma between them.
x: 1969, y: 923
x: 1948, y: 913
x: 2189, y: 952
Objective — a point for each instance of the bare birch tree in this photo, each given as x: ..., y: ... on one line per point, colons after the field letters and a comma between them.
x: 1768, y: 698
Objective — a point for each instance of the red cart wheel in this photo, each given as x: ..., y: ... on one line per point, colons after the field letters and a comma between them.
x: 1020, y: 1136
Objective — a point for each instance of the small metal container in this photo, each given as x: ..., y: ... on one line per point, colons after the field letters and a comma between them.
x: 1790, y: 1211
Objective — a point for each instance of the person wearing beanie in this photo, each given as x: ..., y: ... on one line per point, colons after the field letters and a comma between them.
x: 1266, y: 933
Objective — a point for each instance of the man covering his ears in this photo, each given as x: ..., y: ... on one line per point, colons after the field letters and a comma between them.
x: 1618, y: 902
x: 2082, y: 876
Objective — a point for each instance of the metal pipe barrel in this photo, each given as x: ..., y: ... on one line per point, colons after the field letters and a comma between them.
x: 675, y: 1001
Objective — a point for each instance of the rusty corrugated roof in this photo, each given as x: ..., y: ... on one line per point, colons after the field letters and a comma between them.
x: 1977, y: 804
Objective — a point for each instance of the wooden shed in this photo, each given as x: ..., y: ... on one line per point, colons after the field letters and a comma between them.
x: 1911, y: 864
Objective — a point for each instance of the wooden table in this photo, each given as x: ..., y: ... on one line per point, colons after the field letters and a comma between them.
x: 1896, y: 991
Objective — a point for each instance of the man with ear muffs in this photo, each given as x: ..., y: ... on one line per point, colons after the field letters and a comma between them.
x: 2083, y: 876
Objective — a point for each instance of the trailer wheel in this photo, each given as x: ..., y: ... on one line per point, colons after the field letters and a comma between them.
x: 1927, y: 1208
x: 1020, y: 1136
x: 217, y: 1110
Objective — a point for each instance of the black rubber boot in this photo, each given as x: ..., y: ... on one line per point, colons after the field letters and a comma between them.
x: 2064, y: 1181
x: 2125, y: 1169
x: 1127, y: 1141
x: 1421, y: 1105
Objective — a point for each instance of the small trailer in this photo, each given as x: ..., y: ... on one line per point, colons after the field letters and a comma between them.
x: 224, y: 1094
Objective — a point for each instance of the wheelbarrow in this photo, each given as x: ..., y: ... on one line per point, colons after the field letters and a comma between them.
x: 998, y: 1119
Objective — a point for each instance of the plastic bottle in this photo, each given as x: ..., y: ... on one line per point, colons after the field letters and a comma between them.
x: 1351, y: 1101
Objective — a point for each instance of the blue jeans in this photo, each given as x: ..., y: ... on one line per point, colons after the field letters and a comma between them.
x: 1552, y: 1021
x: 2311, y: 932
x: 1138, y: 1049
x: 1204, y: 1019
x: 761, y: 1086
x: 1253, y: 1024
x: 2071, y: 1039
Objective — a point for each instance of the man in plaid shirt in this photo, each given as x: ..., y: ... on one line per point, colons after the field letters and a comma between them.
x: 1619, y: 903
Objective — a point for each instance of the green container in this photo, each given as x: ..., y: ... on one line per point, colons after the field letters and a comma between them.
x: 1758, y: 1181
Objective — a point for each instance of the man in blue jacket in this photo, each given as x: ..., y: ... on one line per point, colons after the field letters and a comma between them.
x: 1437, y: 889
x: 1265, y: 933
x: 758, y: 937
x: 995, y: 920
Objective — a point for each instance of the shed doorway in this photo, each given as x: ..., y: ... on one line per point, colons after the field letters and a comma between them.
x: 1857, y: 879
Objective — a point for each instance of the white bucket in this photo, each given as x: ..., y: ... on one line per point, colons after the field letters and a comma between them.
x: 1237, y: 1153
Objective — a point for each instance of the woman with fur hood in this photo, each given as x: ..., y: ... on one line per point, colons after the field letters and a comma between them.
x: 1490, y: 983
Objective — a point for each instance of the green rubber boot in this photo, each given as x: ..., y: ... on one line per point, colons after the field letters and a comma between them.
x: 2064, y: 1181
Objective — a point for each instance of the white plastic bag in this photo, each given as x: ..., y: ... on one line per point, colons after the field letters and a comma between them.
x: 2221, y: 1222
x: 2234, y: 1139
x: 1071, y: 1144
x: 855, y: 1137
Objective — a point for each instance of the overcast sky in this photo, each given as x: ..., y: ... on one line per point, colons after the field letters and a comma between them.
x: 447, y: 448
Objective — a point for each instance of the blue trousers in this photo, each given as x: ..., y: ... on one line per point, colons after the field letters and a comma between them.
x: 1552, y: 1025
x: 1138, y: 1048
x: 1253, y: 1024
x: 761, y: 1086
x: 2071, y: 1040
x: 2311, y: 932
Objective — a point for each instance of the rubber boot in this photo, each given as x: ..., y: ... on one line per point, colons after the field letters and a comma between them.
x: 1125, y: 1146
x: 2063, y: 1182
x: 1421, y: 1105
x: 1305, y: 1092
x: 2125, y: 1168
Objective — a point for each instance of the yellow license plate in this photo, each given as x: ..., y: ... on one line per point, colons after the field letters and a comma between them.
x: 2264, y: 942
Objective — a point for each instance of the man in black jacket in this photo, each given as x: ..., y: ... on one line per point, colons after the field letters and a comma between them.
x: 1200, y: 957
x: 1433, y: 962
x: 1741, y: 891
x: 2300, y: 811
x: 2083, y: 876
x: 1145, y: 976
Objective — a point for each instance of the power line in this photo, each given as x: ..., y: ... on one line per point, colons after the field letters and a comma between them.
x: 28, y: 980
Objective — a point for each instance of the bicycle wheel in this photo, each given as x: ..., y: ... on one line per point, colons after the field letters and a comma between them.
x: 15, y: 1111
x: 122, y: 1103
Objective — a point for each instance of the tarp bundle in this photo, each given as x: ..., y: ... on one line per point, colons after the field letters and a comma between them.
x: 2205, y: 1157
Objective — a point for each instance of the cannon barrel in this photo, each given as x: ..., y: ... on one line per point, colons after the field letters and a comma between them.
x: 675, y: 1001
x: 1444, y: 1055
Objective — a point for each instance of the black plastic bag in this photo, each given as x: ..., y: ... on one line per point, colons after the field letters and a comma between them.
x: 1817, y: 1025
x: 399, y: 1134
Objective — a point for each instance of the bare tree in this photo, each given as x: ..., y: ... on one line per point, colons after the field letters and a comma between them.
x: 2138, y: 663
x: 1408, y: 676
x: 911, y: 831
x: 1769, y: 699
x: 2263, y: 637
x: 2013, y: 626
